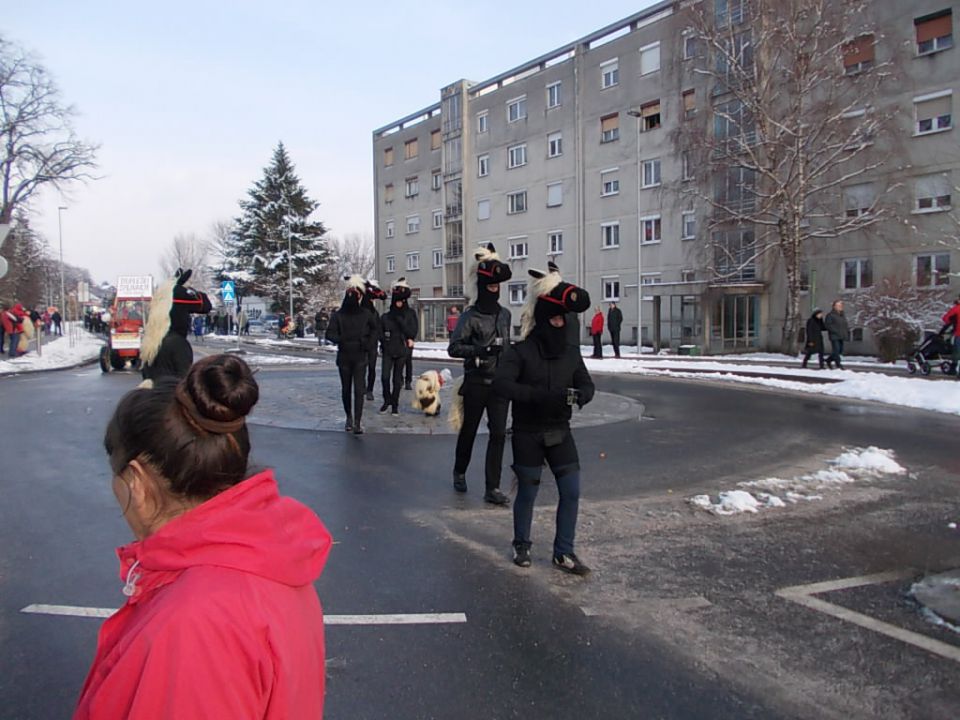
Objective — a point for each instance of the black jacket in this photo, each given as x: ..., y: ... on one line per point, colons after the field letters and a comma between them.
x: 474, y: 341
x: 537, y: 385
x: 815, y: 334
x: 396, y: 327
x: 614, y: 320
x: 352, y: 333
x: 836, y: 324
x: 174, y: 358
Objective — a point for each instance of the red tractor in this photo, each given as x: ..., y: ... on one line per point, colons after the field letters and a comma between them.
x: 126, y: 320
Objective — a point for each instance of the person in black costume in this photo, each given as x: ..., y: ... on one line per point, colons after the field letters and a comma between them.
x: 165, y: 349
x: 814, y: 344
x: 481, y: 335
x: 614, y: 323
x: 398, y: 328
x: 351, y: 329
x: 544, y: 376
x: 372, y: 291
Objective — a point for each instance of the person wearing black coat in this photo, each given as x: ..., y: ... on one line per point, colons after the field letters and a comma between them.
x: 614, y: 323
x: 479, y: 339
x: 544, y: 377
x: 837, y: 330
x: 371, y: 292
x: 398, y: 329
x: 165, y: 349
x: 814, y: 344
x: 351, y: 328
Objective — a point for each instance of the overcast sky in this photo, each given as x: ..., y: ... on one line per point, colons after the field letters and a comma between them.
x: 188, y: 100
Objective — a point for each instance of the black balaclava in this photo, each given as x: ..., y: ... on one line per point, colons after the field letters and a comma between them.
x: 563, y: 298
x: 552, y: 340
x: 490, y: 271
x: 488, y: 301
x: 400, y: 292
x: 351, y: 300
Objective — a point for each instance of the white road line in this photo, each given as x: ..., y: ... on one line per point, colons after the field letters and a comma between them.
x: 803, y: 595
x: 378, y: 619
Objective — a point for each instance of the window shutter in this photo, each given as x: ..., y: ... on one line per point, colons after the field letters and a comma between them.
x: 934, y: 27
x: 929, y: 109
x: 650, y: 109
x: 860, y: 50
x: 611, y: 122
x: 932, y: 186
x: 689, y: 101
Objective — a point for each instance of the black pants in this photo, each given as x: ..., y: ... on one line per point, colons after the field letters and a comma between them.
x: 408, y: 367
x: 371, y: 368
x: 351, y: 386
x: 598, y: 345
x: 615, y: 339
x: 808, y: 351
x: 477, y: 399
x: 391, y: 378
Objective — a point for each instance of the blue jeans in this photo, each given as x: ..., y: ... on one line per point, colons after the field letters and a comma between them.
x: 14, y: 340
x: 568, y: 486
x: 836, y: 350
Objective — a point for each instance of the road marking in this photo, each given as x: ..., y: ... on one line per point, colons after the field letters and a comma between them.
x: 803, y: 595
x: 373, y: 619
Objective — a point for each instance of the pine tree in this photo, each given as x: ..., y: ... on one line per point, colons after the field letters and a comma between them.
x: 275, y: 230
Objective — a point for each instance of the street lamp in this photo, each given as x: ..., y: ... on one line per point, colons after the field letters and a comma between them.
x: 290, y: 268
x: 638, y: 115
x: 63, y: 302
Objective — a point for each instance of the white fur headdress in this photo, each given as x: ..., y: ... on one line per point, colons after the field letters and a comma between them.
x: 400, y: 283
x: 158, y: 321
x: 536, y: 287
x: 356, y: 281
x: 480, y: 254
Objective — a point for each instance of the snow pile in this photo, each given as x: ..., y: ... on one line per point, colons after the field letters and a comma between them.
x: 55, y: 353
x: 851, y: 465
x: 258, y: 360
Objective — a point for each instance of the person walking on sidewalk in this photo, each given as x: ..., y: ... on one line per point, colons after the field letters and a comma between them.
x: 814, y: 343
x: 13, y: 320
x: 614, y: 323
x: 479, y: 340
x: 838, y: 330
x: 398, y: 328
x: 545, y: 377
x: 952, y: 318
x: 596, y: 330
x: 351, y: 329
x: 372, y: 291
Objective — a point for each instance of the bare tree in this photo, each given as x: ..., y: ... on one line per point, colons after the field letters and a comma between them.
x: 353, y: 254
x: 791, y: 85
x: 39, y: 146
x: 187, y: 251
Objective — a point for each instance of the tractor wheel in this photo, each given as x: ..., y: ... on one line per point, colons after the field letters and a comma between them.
x: 117, y: 362
x: 105, y: 359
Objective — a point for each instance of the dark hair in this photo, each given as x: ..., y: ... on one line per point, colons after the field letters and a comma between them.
x: 192, y: 430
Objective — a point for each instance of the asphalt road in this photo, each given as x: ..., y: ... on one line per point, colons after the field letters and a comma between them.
x: 679, y: 620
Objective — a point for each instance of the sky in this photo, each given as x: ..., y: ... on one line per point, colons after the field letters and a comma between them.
x: 188, y: 100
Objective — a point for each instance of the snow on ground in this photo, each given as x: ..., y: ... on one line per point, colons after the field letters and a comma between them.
x: 56, y: 352
x: 851, y: 465
x: 257, y: 360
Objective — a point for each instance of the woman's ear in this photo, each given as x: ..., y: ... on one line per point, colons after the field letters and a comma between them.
x: 145, y: 500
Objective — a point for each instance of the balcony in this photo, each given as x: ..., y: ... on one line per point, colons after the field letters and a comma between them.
x: 454, y: 250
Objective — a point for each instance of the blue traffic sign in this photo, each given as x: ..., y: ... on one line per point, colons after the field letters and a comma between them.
x: 228, y: 292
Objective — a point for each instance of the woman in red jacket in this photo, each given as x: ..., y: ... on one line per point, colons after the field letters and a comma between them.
x: 596, y: 329
x: 221, y: 619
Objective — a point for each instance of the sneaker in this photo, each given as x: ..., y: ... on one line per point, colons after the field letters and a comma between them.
x: 369, y: 396
x: 570, y: 563
x: 521, y: 556
x: 407, y: 386
x: 358, y: 429
x: 348, y: 425
x: 395, y: 410
x: 384, y: 408
x: 495, y: 497
x: 460, y: 482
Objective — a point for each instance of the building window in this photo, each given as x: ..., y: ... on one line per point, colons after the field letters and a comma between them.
x: 651, y: 173
x: 933, y: 112
x: 610, y: 235
x: 610, y: 128
x: 437, y: 219
x: 412, y: 187
x: 391, y: 229
x: 555, y: 243
x: 518, y: 248
x: 650, y: 279
x: 388, y: 157
x: 689, y: 225
x: 482, y: 121
x: 857, y: 274
x: 650, y: 229
x: 688, y: 276
x: 934, y: 32
x: 554, y: 95
x: 555, y: 194
x: 933, y: 270
x: 410, y: 150
x: 554, y: 145
x: 517, y: 293
x: 610, y: 73
x: 413, y: 261
x: 517, y: 109
x: 932, y: 193
x: 483, y: 165
x: 858, y: 55
x: 689, y: 98
x: 650, y: 116
x: 611, y: 289
x: 609, y: 182
x: 437, y: 257
x: 483, y: 209
x: 857, y: 200
x: 436, y: 180
x: 516, y: 202
x: 728, y: 12
x: 689, y: 46
x: 413, y: 224
x: 650, y: 58
x: 686, y: 169
x: 391, y: 264
x: 517, y: 155
x: 388, y: 193
x: 435, y: 140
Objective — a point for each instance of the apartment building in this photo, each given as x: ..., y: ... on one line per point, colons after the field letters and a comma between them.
x: 574, y: 157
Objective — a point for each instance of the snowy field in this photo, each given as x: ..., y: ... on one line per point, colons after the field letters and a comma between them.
x: 907, y: 391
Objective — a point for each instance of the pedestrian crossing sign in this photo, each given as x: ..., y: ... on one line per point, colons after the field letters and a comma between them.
x: 228, y: 292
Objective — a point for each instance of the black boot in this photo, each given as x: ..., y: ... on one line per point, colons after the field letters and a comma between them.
x: 459, y: 481
x: 348, y: 425
x: 385, y: 407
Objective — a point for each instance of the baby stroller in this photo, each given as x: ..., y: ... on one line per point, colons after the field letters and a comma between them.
x: 934, y: 348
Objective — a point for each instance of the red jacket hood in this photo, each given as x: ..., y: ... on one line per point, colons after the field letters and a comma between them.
x: 18, y: 310
x: 249, y: 527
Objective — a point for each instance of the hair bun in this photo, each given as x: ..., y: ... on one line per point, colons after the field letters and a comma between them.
x: 222, y: 387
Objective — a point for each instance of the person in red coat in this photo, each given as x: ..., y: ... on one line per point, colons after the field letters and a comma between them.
x: 596, y: 330
x: 222, y: 619
x: 12, y: 320
x: 952, y: 318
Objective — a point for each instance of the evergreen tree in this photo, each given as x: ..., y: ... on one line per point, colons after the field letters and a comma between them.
x: 275, y: 238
